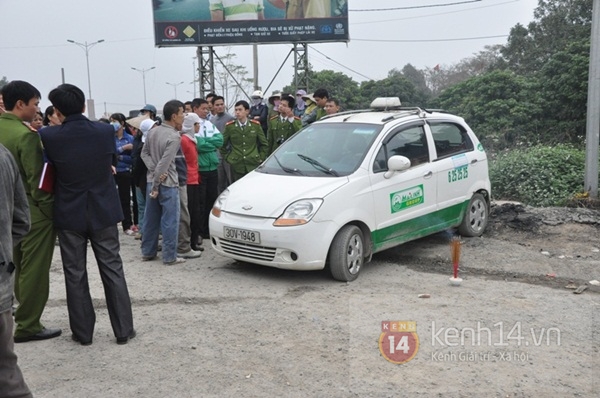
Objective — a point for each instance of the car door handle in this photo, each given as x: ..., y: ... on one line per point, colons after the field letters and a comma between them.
x: 473, y: 161
x: 428, y: 174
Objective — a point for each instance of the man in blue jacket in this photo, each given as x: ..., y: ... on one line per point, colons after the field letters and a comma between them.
x: 87, y: 207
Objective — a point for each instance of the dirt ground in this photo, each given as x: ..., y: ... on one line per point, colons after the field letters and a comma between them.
x: 213, y: 327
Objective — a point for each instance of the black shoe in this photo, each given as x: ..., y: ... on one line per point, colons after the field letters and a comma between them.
x: 43, y: 334
x: 76, y: 339
x: 198, y: 248
x: 124, y: 340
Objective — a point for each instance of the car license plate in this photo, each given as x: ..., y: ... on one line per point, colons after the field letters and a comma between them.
x: 242, y: 235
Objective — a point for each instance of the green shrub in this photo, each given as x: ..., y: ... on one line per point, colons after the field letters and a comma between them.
x: 538, y: 176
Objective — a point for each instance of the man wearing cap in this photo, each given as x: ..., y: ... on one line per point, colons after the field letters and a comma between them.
x: 150, y: 111
x: 283, y: 126
x: 300, y: 103
x: 259, y: 111
x: 274, y: 103
x: 244, y: 143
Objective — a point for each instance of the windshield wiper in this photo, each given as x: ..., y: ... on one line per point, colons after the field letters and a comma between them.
x: 287, y: 169
x: 318, y: 165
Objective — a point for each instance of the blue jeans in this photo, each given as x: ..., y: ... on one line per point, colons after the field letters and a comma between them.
x: 161, y: 214
x: 141, y: 202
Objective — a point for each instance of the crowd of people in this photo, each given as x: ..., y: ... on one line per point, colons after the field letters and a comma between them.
x: 63, y: 175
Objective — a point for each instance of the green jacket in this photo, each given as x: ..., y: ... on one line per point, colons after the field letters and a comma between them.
x: 279, y: 131
x: 320, y: 113
x: 244, y: 148
x: 208, y: 140
x: 26, y: 147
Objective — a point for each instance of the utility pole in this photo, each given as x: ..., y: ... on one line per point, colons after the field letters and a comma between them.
x: 593, y: 108
x: 255, y: 60
x: 195, y: 72
x: 86, y: 47
x: 175, y: 87
x: 143, y: 72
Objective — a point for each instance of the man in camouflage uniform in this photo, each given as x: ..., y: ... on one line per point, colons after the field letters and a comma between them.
x: 283, y: 126
x: 244, y: 143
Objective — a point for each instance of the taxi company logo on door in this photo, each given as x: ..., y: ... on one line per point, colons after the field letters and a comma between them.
x: 398, y: 341
x: 408, y: 198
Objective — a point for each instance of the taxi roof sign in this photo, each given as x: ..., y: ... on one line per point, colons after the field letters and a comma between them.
x: 386, y: 103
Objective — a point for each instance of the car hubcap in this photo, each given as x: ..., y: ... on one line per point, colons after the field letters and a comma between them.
x: 478, y: 215
x: 355, y: 254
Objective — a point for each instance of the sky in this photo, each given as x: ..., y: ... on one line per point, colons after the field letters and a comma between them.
x: 34, y: 47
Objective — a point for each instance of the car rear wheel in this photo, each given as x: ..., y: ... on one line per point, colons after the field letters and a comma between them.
x: 347, y: 254
x: 476, y: 217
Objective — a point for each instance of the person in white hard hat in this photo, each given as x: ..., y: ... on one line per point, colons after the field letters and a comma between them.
x: 259, y: 111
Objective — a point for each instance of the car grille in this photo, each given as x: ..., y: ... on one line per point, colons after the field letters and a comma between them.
x: 248, y: 251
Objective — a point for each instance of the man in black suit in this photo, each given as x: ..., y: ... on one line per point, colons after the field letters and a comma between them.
x: 87, y: 207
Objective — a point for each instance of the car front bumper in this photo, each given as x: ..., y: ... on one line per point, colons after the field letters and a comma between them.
x: 301, y: 247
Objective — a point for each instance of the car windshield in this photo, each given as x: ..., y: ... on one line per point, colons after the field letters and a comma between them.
x: 323, y: 150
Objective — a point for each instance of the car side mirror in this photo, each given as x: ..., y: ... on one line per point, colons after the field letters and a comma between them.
x: 396, y: 164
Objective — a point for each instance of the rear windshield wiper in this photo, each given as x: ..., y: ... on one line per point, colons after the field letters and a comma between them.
x: 318, y: 165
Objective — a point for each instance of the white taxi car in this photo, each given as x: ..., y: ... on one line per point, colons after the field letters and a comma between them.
x: 354, y: 184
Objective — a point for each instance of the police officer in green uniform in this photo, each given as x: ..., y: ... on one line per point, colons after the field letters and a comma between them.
x: 244, y: 143
x: 33, y: 255
x: 283, y: 126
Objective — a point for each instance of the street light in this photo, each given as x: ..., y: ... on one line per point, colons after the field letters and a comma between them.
x: 175, y: 87
x: 143, y: 72
x: 195, y: 72
x: 86, y: 47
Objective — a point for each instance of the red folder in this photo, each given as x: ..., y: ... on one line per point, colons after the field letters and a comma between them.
x: 47, y: 178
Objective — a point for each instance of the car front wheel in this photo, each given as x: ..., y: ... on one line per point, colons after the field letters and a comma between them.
x: 347, y: 254
x: 476, y: 217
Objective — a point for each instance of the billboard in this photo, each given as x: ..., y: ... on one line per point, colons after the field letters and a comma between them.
x: 231, y: 22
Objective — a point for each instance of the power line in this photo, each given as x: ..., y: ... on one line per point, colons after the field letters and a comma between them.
x: 414, y: 7
x: 432, y: 15
x: 431, y: 40
x: 339, y: 64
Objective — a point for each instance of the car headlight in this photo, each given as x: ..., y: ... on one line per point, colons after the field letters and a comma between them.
x: 299, y: 213
x: 218, y: 205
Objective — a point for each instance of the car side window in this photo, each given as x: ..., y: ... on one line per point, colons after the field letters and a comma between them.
x: 410, y: 142
x: 450, y: 139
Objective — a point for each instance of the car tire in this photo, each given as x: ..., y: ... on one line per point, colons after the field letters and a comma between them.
x: 347, y: 254
x: 476, y: 217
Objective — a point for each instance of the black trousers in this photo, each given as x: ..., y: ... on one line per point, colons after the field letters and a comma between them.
x: 193, y: 197
x: 123, y: 180
x: 209, y: 191
x: 73, y: 250
x: 134, y: 205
